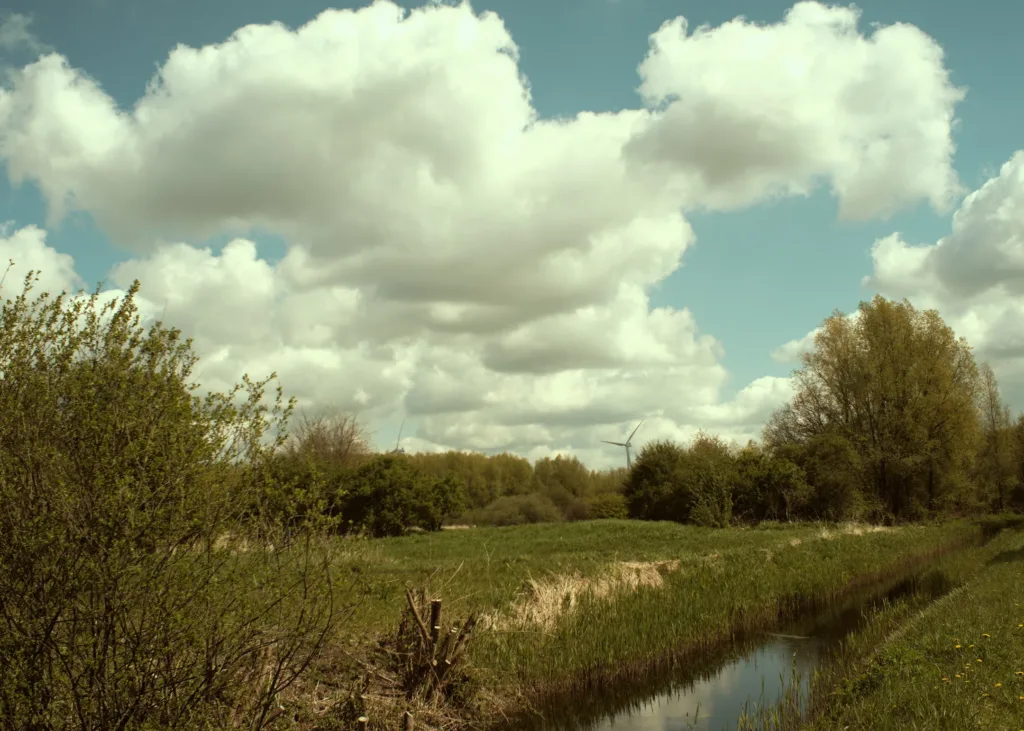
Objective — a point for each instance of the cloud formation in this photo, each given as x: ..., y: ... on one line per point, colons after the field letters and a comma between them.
x: 974, y: 276
x: 449, y: 253
x: 16, y: 35
x: 752, y: 111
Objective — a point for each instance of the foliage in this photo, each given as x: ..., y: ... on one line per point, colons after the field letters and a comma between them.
x: 386, y: 495
x: 132, y: 592
x: 562, y: 481
x: 694, y: 484
x: 606, y: 505
x: 517, y: 510
x: 651, y: 489
x: 769, y: 487
x: 834, y: 469
x: 901, y: 388
x: 996, y: 474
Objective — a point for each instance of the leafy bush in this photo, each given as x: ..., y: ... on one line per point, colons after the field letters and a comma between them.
x: 709, y: 478
x: 769, y: 487
x: 671, y: 482
x: 135, y: 591
x: 517, y: 510
x: 386, y: 496
x: 835, y: 471
x: 298, y: 491
x: 652, y: 488
x: 605, y: 505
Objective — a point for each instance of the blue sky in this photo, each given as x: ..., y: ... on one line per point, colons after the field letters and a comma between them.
x: 755, y: 278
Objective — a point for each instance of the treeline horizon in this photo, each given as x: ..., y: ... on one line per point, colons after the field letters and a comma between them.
x: 893, y: 420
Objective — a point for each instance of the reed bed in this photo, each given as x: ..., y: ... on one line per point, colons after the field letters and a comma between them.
x: 705, y: 605
x: 572, y: 609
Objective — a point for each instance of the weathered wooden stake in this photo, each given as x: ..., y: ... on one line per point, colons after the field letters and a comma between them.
x: 435, y: 623
x: 408, y: 722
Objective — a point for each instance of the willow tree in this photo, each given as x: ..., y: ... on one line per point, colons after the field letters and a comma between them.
x: 901, y: 388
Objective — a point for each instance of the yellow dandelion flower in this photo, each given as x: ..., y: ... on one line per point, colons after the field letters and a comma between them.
x: 984, y: 695
x: 999, y: 685
x: 986, y: 634
x: 957, y: 646
x: 971, y: 645
x: 978, y: 660
x: 957, y: 675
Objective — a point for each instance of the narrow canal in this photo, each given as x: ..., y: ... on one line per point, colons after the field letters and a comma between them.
x: 757, y: 672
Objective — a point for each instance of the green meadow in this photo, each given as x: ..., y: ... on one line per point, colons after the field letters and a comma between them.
x: 571, y: 608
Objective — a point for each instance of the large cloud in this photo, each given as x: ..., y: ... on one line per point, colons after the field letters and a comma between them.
x: 755, y: 110
x: 974, y: 276
x: 449, y: 253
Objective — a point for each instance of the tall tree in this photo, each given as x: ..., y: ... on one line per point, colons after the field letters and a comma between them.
x: 996, y: 469
x: 900, y: 387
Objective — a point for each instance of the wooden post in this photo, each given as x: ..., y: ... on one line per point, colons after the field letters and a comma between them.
x: 363, y: 722
x: 435, y: 623
x: 408, y: 722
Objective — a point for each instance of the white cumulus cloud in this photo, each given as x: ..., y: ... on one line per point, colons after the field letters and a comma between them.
x: 974, y: 276
x: 451, y: 255
x: 755, y: 110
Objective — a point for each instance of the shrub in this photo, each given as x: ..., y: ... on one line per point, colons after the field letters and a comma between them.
x: 297, y: 493
x: 518, y: 510
x: 835, y: 472
x: 651, y: 489
x: 708, y: 480
x: 119, y: 605
x: 386, y: 496
x: 605, y: 505
x: 769, y: 487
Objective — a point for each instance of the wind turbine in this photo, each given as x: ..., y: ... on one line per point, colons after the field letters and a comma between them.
x: 398, y: 449
x: 627, y: 444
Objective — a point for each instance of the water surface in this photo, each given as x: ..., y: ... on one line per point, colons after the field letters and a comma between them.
x: 755, y: 672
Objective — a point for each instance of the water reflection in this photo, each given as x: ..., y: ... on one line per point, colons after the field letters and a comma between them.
x: 716, y: 702
x: 756, y: 672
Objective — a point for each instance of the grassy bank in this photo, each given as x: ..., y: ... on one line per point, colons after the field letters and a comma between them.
x: 569, y: 609
x: 959, y: 664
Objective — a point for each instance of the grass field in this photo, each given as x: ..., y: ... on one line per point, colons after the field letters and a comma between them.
x: 959, y: 664
x: 568, y: 607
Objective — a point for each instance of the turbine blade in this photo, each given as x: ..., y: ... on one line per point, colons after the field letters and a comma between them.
x: 617, y: 444
x: 634, y: 431
x: 399, y: 440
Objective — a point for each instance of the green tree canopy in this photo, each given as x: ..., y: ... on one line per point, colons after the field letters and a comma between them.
x: 901, y: 388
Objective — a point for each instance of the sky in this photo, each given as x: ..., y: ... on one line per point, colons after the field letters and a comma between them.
x: 520, y: 225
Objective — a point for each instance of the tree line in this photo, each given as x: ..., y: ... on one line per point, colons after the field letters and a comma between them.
x: 892, y: 420
x: 328, y: 468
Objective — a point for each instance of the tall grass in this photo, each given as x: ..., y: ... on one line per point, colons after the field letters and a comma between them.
x: 703, y: 606
x: 713, y: 586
